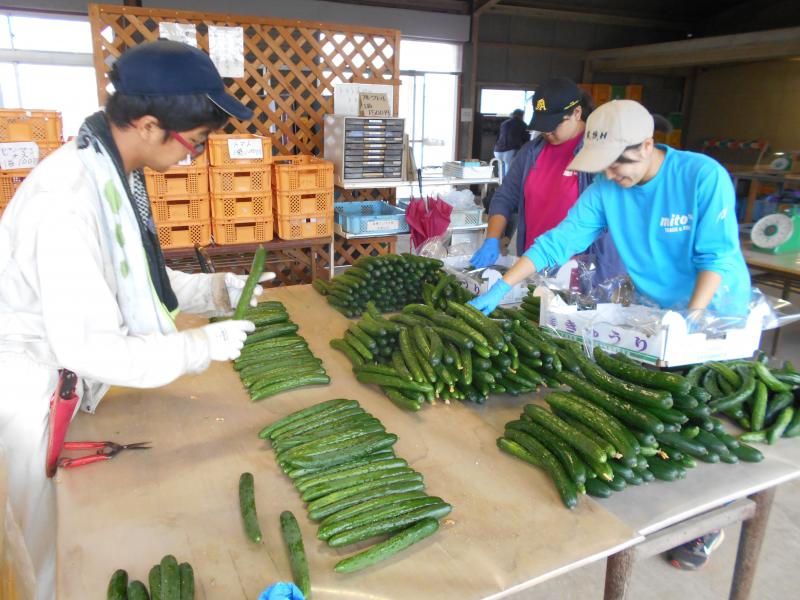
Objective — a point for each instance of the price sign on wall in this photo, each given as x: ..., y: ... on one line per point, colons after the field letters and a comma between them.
x: 245, y: 148
x: 19, y: 155
x: 372, y: 104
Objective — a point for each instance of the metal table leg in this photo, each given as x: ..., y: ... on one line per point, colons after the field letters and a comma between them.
x: 619, y: 569
x: 750, y: 541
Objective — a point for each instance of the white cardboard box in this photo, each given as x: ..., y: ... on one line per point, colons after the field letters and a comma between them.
x: 668, y: 345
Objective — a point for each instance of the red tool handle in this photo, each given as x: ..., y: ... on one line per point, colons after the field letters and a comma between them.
x: 68, y: 463
x: 84, y: 445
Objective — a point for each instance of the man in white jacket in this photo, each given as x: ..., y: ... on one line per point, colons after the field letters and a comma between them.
x: 83, y: 284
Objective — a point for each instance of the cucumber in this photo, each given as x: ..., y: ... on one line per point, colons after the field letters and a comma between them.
x: 776, y: 404
x: 560, y: 449
x: 759, y: 411
x: 247, y: 506
x: 338, y: 454
x: 569, y: 434
x: 342, y: 346
x: 378, y: 492
x: 363, y: 532
x: 359, y: 467
x: 154, y: 580
x: 388, y: 511
x: 479, y: 321
x: 765, y: 375
x: 402, y: 400
x: 775, y: 432
x: 325, y: 424
x: 170, y: 578
x: 409, y: 356
x: 366, y: 484
x: 665, y: 470
x: 625, y: 411
x: 297, y: 554
x: 318, y: 442
x: 370, y: 506
x: 634, y: 373
x: 394, y: 382
x: 737, y: 398
x: 385, y: 549
x: 356, y: 344
x: 629, y: 391
x: 793, y: 429
x: 186, y: 574
x: 259, y: 258
x: 309, y: 412
x: 527, y: 448
x: 323, y: 489
x: 137, y: 591
x: 711, y: 442
x: 399, y: 365
x: 118, y: 585
x: 598, y: 420
x: 726, y: 373
x: 343, y: 409
x: 283, y: 386
x: 597, y: 488
x: 747, y: 453
x: 679, y: 442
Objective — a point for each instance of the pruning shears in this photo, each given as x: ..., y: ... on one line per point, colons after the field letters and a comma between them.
x: 105, y: 451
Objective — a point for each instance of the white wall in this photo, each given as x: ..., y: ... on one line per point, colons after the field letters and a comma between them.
x: 412, y: 23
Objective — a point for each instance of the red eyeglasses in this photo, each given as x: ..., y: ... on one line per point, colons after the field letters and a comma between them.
x: 194, y: 149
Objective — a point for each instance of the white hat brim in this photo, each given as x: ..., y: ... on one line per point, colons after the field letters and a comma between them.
x: 594, y: 158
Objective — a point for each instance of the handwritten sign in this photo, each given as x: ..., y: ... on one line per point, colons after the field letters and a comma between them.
x: 19, y: 155
x: 373, y: 104
x: 245, y: 148
x: 385, y: 225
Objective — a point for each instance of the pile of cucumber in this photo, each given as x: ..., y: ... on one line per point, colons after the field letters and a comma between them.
x: 390, y: 281
x: 765, y: 402
x: 426, y: 353
x: 168, y: 580
x: 622, y: 424
x: 340, y: 459
x: 274, y: 358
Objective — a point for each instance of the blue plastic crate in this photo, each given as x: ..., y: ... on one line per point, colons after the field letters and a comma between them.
x: 374, y: 216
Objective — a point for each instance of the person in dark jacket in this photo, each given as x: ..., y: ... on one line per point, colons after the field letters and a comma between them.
x: 539, y: 190
x: 513, y: 134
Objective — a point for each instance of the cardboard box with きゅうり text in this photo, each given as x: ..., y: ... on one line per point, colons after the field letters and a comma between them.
x: 649, y: 335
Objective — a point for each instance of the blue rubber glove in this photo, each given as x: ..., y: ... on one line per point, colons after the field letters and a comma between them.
x: 282, y: 591
x: 486, y: 303
x: 487, y: 254
x: 695, y: 320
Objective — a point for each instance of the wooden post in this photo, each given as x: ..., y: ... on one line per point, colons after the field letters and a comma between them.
x: 473, y: 79
x: 750, y: 541
x: 619, y: 568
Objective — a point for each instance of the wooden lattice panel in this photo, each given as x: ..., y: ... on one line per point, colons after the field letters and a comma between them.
x: 387, y: 194
x: 349, y: 251
x: 290, y: 66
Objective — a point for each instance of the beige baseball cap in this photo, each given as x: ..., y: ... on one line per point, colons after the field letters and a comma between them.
x: 610, y: 129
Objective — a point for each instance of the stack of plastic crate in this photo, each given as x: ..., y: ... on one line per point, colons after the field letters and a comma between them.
x: 241, y: 190
x: 181, y: 208
x: 303, y: 197
x: 42, y: 127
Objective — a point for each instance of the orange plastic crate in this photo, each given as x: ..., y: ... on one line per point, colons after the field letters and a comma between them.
x: 300, y: 203
x: 9, y: 182
x: 47, y: 148
x: 179, y: 182
x: 240, y: 181
x: 301, y: 227
x: 219, y: 154
x: 191, y: 208
x: 237, y: 207
x: 20, y: 125
x: 242, y: 231
x: 184, y: 235
x: 302, y: 173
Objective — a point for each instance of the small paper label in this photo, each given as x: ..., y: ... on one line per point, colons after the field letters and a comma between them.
x: 383, y: 225
x: 245, y: 148
x: 226, y: 47
x: 19, y: 155
x: 373, y: 104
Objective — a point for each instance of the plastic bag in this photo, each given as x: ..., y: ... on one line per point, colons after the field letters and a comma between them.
x: 435, y: 247
x: 460, y: 199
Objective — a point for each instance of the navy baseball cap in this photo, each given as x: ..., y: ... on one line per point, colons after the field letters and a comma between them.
x: 553, y: 100
x: 167, y: 68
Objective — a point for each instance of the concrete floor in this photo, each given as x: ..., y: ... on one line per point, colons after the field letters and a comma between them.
x: 655, y: 579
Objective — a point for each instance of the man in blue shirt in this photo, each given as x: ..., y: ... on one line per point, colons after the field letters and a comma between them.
x: 670, y: 213
x: 513, y: 134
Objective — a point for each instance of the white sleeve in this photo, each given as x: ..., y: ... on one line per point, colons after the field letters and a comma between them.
x: 82, y: 319
x: 200, y: 293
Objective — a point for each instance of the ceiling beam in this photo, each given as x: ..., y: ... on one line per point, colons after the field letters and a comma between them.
x: 481, y: 6
x: 741, y: 47
x: 459, y: 7
x: 590, y: 17
x: 576, y: 52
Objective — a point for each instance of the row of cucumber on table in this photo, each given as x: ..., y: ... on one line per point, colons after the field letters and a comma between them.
x: 275, y: 358
x: 340, y: 459
x: 621, y: 424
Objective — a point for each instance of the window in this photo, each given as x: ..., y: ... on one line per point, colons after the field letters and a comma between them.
x: 429, y: 75
x: 46, y: 64
x: 503, y: 102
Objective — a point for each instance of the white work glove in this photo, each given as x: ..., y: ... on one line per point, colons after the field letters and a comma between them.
x: 226, y: 338
x: 234, y: 284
